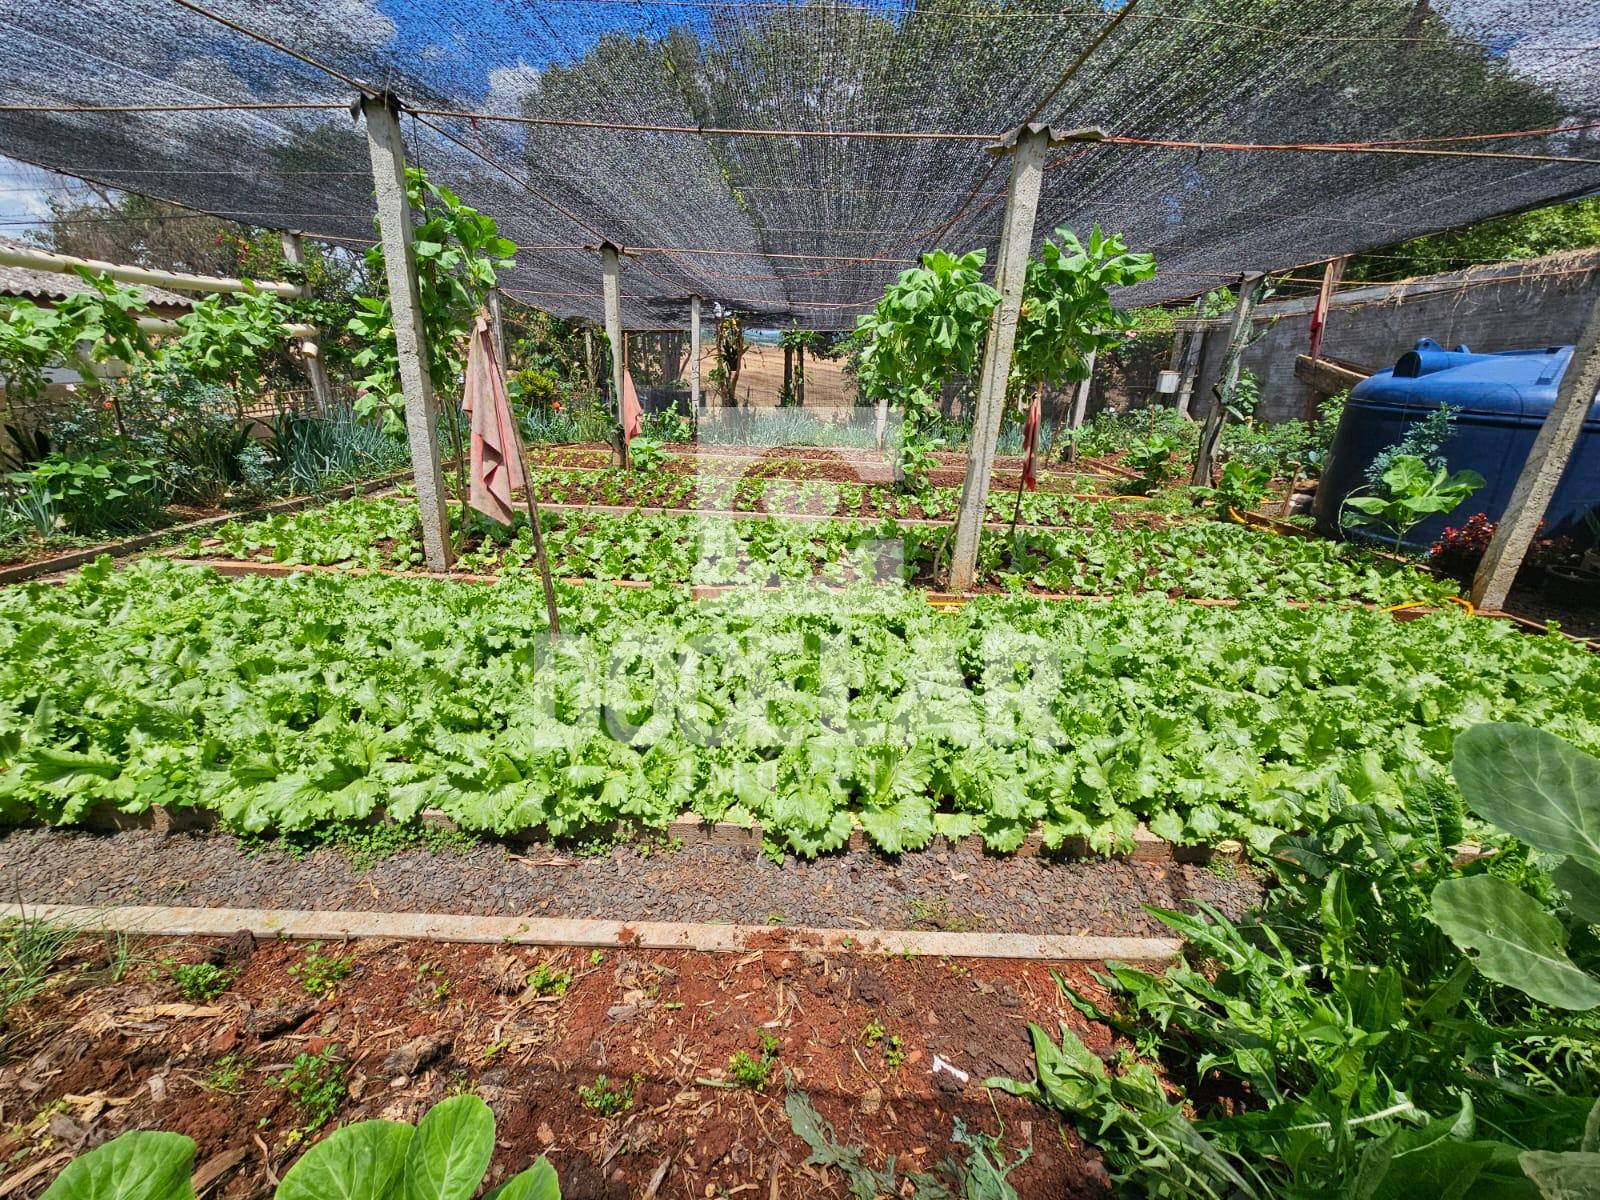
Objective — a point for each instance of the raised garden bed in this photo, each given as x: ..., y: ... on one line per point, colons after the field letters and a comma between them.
x: 256, y: 1069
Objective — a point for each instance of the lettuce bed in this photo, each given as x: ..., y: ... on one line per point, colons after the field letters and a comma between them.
x: 284, y: 703
x: 1198, y: 558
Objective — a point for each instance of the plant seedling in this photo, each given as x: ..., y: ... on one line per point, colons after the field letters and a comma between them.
x: 749, y: 1071
x: 319, y: 974
x: 199, y: 983
x: 316, y: 1083
x: 546, y: 981
x: 605, y: 1098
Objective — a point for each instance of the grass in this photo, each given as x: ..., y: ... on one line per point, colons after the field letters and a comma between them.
x: 29, y: 950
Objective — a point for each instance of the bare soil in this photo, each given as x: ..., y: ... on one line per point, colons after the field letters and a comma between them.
x: 414, y: 1022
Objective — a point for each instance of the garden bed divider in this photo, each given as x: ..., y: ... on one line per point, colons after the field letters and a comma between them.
x: 332, y: 925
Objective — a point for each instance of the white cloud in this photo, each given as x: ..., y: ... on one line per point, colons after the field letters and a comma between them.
x: 510, y: 87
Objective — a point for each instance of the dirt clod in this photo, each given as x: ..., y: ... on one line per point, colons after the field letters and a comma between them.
x: 418, y: 1054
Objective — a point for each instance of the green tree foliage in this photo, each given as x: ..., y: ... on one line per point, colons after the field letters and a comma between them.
x: 1572, y: 226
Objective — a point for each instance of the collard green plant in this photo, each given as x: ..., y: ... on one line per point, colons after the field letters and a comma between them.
x: 443, y: 1157
x: 1546, y: 793
x: 458, y: 252
x: 925, y: 331
x: 1409, y: 492
x: 1067, y: 313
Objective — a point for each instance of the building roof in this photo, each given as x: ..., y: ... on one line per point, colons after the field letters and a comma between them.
x: 51, y: 285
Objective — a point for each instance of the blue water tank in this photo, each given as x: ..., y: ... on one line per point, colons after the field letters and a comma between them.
x: 1503, y: 398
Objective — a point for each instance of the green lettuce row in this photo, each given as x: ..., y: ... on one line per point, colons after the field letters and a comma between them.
x: 287, y: 703
x: 1196, y: 558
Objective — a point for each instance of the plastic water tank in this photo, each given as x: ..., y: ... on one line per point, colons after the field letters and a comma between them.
x: 1502, y: 400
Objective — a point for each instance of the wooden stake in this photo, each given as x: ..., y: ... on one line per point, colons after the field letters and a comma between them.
x: 1238, y: 338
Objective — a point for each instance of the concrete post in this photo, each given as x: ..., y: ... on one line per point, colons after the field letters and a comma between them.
x: 387, y: 149
x: 1011, y: 271
x: 1547, y: 461
x: 497, y: 332
x: 1238, y: 339
x: 316, y: 372
x: 611, y: 287
x: 1080, y: 403
x: 694, y: 354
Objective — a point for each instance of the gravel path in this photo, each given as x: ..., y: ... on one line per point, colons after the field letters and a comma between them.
x: 959, y: 889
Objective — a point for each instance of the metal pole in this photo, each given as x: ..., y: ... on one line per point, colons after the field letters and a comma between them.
x: 1547, y: 461
x: 1238, y: 337
x: 411, y: 340
x: 497, y: 331
x: 66, y: 264
x: 294, y: 252
x: 611, y: 286
x: 694, y: 353
x: 1011, y: 271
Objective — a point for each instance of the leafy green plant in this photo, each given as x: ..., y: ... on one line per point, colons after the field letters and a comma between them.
x: 1337, y: 1043
x: 925, y: 330
x: 458, y: 252
x: 443, y: 1157
x: 607, y: 1098
x: 646, y: 454
x: 545, y: 980
x: 199, y: 983
x: 1153, y: 457
x: 100, y: 494
x: 320, y: 974
x: 317, y: 1085
x: 1410, y: 491
x: 227, y: 1073
x: 752, y: 1071
x: 1241, y: 486
x: 1546, y: 793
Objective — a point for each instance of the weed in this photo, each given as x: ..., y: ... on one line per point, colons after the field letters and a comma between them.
x: 1223, y: 868
x: 429, y: 975
x: 596, y: 957
x: 748, y: 1071
x: 29, y: 949
x: 227, y: 1073
x: 546, y: 981
x: 777, y: 918
x: 316, y: 1084
x: 894, y: 1053
x: 320, y: 973
x: 365, y: 844
x: 198, y: 983
x: 605, y: 1098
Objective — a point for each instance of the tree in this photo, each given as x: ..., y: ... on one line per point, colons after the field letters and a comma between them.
x: 1572, y: 226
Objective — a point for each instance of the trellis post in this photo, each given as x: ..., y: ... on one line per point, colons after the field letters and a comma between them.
x: 1233, y: 358
x: 1011, y: 272
x: 311, y: 352
x: 497, y: 332
x: 611, y: 291
x: 694, y: 354
x: 387, y: 149
x: 1547, y: 460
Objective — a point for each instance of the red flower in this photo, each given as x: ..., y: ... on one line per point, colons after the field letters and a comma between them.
x: 556, y: 406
